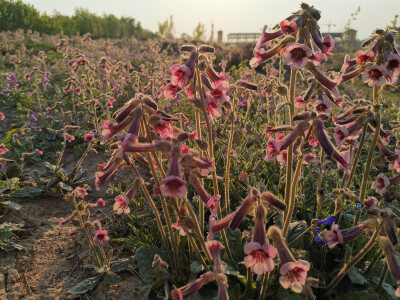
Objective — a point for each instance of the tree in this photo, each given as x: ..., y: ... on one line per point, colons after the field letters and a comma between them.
x: 199, y: 32
x: 165, y: 29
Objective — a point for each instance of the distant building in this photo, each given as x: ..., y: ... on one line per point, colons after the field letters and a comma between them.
x: 344, y: 41
x: 236, y: 38
x: 219, y: 37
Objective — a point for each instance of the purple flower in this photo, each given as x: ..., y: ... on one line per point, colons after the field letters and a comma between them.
x: 33, y: 117
x: 328, y: 221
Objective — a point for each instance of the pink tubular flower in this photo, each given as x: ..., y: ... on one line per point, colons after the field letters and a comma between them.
x: 340, y: 134
x: 309, y: 158
x: 162, y: 128
x: 322, y: 106
x: 193, y: 287
x: 260, y: 255
x: 2, y: 116
x: 170, y: 91
x: 261, y: 55
x: 282, y: 158
x: 313, y: 142
x: 294, y: 275
x: 173, y: 185
x: 299, y: 102
x: 89, y: 138
x: 273, y: 149
x: 346, y: 157
x: 375, y: 75
x: 287, y: 26
x: 362, y: 57
x: 296, y: 55
x: 266, y: 36
x: 69, y: 137
x: 180, y: 76
x: 215, y: 247
x: 100, y: 203
x: 121, y: 205
x: 212, y: 204
x: 334, y: 236
x: 80, y: 192
x: 392, y: 64
x: 381, y: 183
x: 101, y: 236
x: 218, y: 80
x: 371, y: 202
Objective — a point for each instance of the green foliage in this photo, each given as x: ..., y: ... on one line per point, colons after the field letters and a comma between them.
x: 17, y: 14
x: 7, y: 240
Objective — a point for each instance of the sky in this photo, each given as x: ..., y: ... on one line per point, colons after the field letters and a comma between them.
x: 233, y: 16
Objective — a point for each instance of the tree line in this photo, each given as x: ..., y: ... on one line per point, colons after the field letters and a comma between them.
x: 18, y: 15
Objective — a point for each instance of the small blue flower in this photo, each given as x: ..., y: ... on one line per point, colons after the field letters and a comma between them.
x: 50, y: 139
x: 263, y: 186
x: 319, y: 240
x: 359, y: 206
x: 328, y: 220
x: 28, y: 126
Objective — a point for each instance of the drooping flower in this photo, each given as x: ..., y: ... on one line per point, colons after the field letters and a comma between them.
x: 296, y: 55
x: 334, y: 236
x: 193, y: 287
x: 381, y: 183
x: 328, y: 220
x: 89, y: 138
x: 273, y: 148
x: 293, y: 273
x: 322, y: 106
x: 80, y: 192
x: 260, y: 255
x: 101, y: 236
x: 69, y: 137
x: 121, y: 205
x: 375, y: 75
x: 371, y: 202
x: 362, y: 57
x: 173, y: 185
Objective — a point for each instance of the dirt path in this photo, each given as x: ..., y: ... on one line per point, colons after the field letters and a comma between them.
x: 51, y: 264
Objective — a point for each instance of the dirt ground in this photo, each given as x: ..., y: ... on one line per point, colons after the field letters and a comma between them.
x: 51, y: 263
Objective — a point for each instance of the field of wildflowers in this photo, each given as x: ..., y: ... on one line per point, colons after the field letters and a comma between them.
x: 165, y: 170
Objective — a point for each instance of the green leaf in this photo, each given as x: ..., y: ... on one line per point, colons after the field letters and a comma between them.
x: 11, y: 205
x: 120, y: 265
x: 111, y: 278
x: 389, y: 291
x: 364, y: 295
x: 85, y: 286
x: 5, y: 235
x: 29, y: 192
x: 144, y: 259
x: 65, y: 186
x: 356, y: 277
x: 35, y: 176
x: 288, y: 295
x: 7, y: 226
x: 196, y: 267
x: 296, y: 229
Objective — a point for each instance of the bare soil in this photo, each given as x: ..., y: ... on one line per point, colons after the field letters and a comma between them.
x: 51, y: 263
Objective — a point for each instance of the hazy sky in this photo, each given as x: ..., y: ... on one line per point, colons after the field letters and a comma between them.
x: 233, y: 15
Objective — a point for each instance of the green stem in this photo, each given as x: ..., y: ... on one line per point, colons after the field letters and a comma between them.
x: 356, y: 158
x: 382, y: 278
x: 289, y: 166
x: 211, y: 155
x: 372, y: 147
x: 292, y: 198
x: 264, y: 286
x: 155, y: 210
x: 228, y: 155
